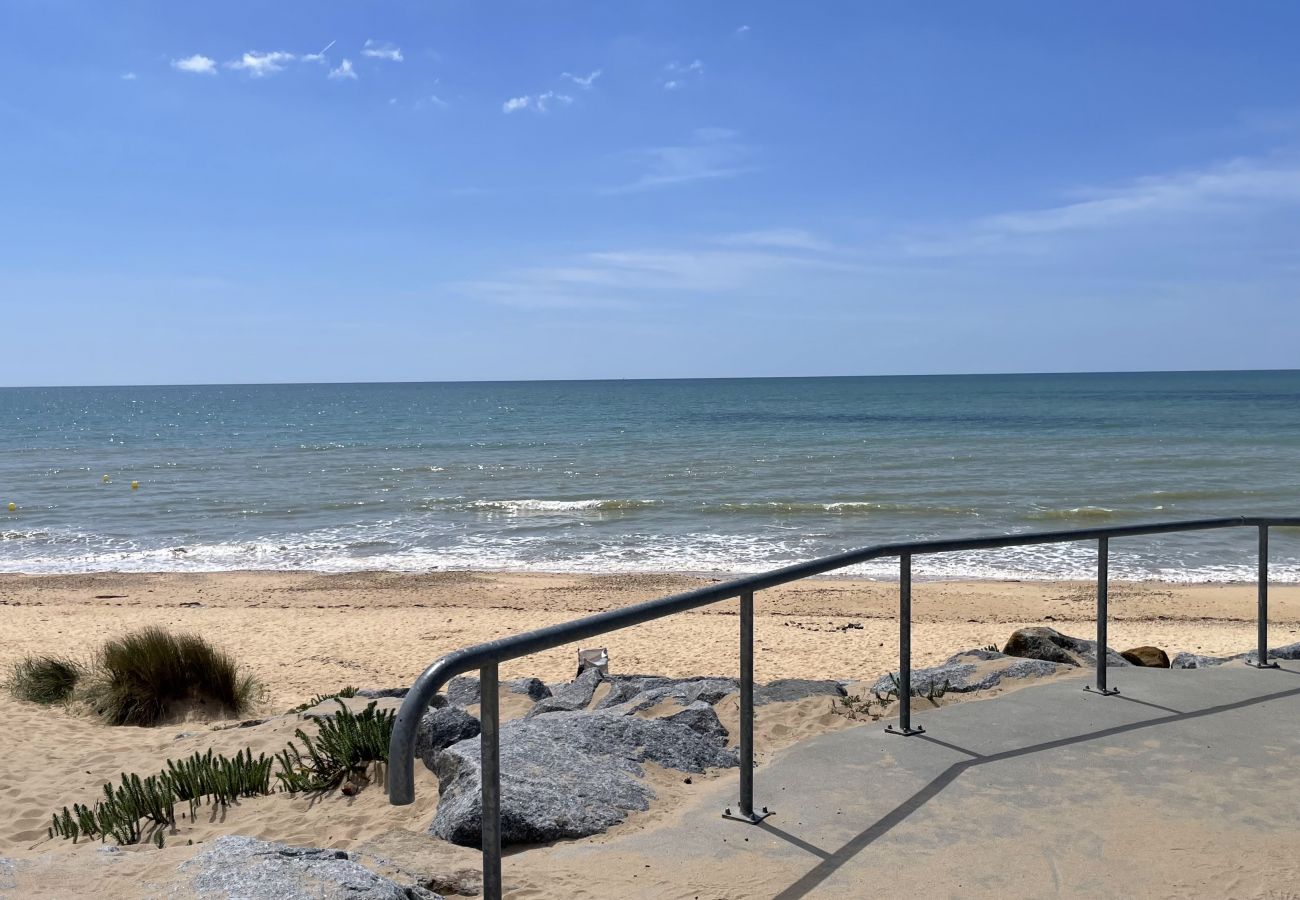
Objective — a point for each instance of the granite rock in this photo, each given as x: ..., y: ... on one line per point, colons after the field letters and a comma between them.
x: 567, y: 774
x: 1053, y: 646
x: 700, y: 717
x: 464, y: 690
x: 570, y: 697
x: 787, y: 690
x: 647, y: 690
x: 1187, y: 660
x: 440, y: 728
x: 251, y: 869
x: 974, y: 670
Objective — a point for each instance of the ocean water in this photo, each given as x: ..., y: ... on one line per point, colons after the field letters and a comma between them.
x: 709, y: 476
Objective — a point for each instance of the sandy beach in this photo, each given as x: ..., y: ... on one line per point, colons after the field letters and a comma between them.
x: 304, y: 633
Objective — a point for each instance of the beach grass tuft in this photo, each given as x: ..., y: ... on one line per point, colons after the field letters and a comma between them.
x: 345, y: 745
x: 143, y: 677
x: 45, y: 679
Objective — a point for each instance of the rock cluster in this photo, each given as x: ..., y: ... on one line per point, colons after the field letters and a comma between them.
x: 567, y: 774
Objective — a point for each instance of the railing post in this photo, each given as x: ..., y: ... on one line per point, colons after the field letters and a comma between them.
x: 746, y: 804
x: 1103, y: 617
x: 1261, y: 624
x: 904, y: 649
x: 490, y: 763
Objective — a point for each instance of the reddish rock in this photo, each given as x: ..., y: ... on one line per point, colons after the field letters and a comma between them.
x: 1151, y: 657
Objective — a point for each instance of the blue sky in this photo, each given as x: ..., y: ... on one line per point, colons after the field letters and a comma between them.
x: 447, y: 189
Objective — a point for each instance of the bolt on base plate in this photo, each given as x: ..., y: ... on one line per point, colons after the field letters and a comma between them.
x: 753, y: 818
x: 904, y: 732
x: 1109, y: 692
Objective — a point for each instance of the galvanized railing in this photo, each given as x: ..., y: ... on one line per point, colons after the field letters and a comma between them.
x: 487, y: 657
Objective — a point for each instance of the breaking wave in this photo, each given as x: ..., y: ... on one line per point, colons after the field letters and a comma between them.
x: 561, y: 506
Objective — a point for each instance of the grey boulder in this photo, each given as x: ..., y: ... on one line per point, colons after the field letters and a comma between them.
x: 250, y: 869
x: 1052, y: 646
x: 377, y: 693
x: 568, y: 774
x: 974, y: 670
x: 1187, y: 660
x: 787, y: 690
x: 700, y: 717
x: 464, y: 690
x: 573, y: 696
x: 440, y: 728
x: 647, y: 690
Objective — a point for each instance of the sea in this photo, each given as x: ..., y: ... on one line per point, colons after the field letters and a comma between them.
x: 709, y: 476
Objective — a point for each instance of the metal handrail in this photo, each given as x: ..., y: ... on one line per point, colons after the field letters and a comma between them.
x: 487, y: 657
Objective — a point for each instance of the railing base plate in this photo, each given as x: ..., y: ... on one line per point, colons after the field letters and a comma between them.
x: 1109, y: 692
x: 1267, y: 665
x: 753, y: 818
x: 904, y: 732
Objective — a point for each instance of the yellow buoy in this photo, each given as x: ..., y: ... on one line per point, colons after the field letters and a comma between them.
x: 13, y: 506
x: 105, y: 479
x: 135, y: 485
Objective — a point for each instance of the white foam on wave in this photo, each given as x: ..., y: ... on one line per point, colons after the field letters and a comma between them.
x: 556, y: 506
x: 333, y: 550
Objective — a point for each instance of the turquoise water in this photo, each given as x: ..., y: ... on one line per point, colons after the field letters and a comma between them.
x: 695, y: 475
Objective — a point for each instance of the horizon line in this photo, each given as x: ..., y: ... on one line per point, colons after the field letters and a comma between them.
x: 10, y: 387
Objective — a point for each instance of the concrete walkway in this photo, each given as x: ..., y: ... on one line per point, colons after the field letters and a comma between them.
x: 1187, y: 784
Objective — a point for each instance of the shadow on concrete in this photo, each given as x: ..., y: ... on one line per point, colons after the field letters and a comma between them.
x: 832, y: 861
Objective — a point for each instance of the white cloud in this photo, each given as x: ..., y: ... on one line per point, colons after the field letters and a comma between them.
x: 344, y: 71
x: 583, y: 81
x: 680, y: 74
x: 259, y: 64
x: 1240, y: 185
x: 710, y: 153
x: 536, y: 102
x: 629, y: 279
x: 778, y: 238
x: 744, y: 29
x: 318, y: 57
x: 382, y: 50
x: 129, y: 76
x: 197, y: 64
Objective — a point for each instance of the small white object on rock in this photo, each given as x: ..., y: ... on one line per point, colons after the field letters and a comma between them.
x: 596, y: 658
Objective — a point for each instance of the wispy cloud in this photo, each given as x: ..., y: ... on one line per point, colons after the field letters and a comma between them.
x: 129, y: 76
x: 258, y: 64
x: 633, y: 278
x: 344, y: 71
x: 711, y: 153
x: 197, y: 64
x: 539, y: 103
x: 382, y: 50
x: 583, y: 81
x: 1223, y: 189
x: 744, y: 29
x: 778, y: 238
x: 677, y: 75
